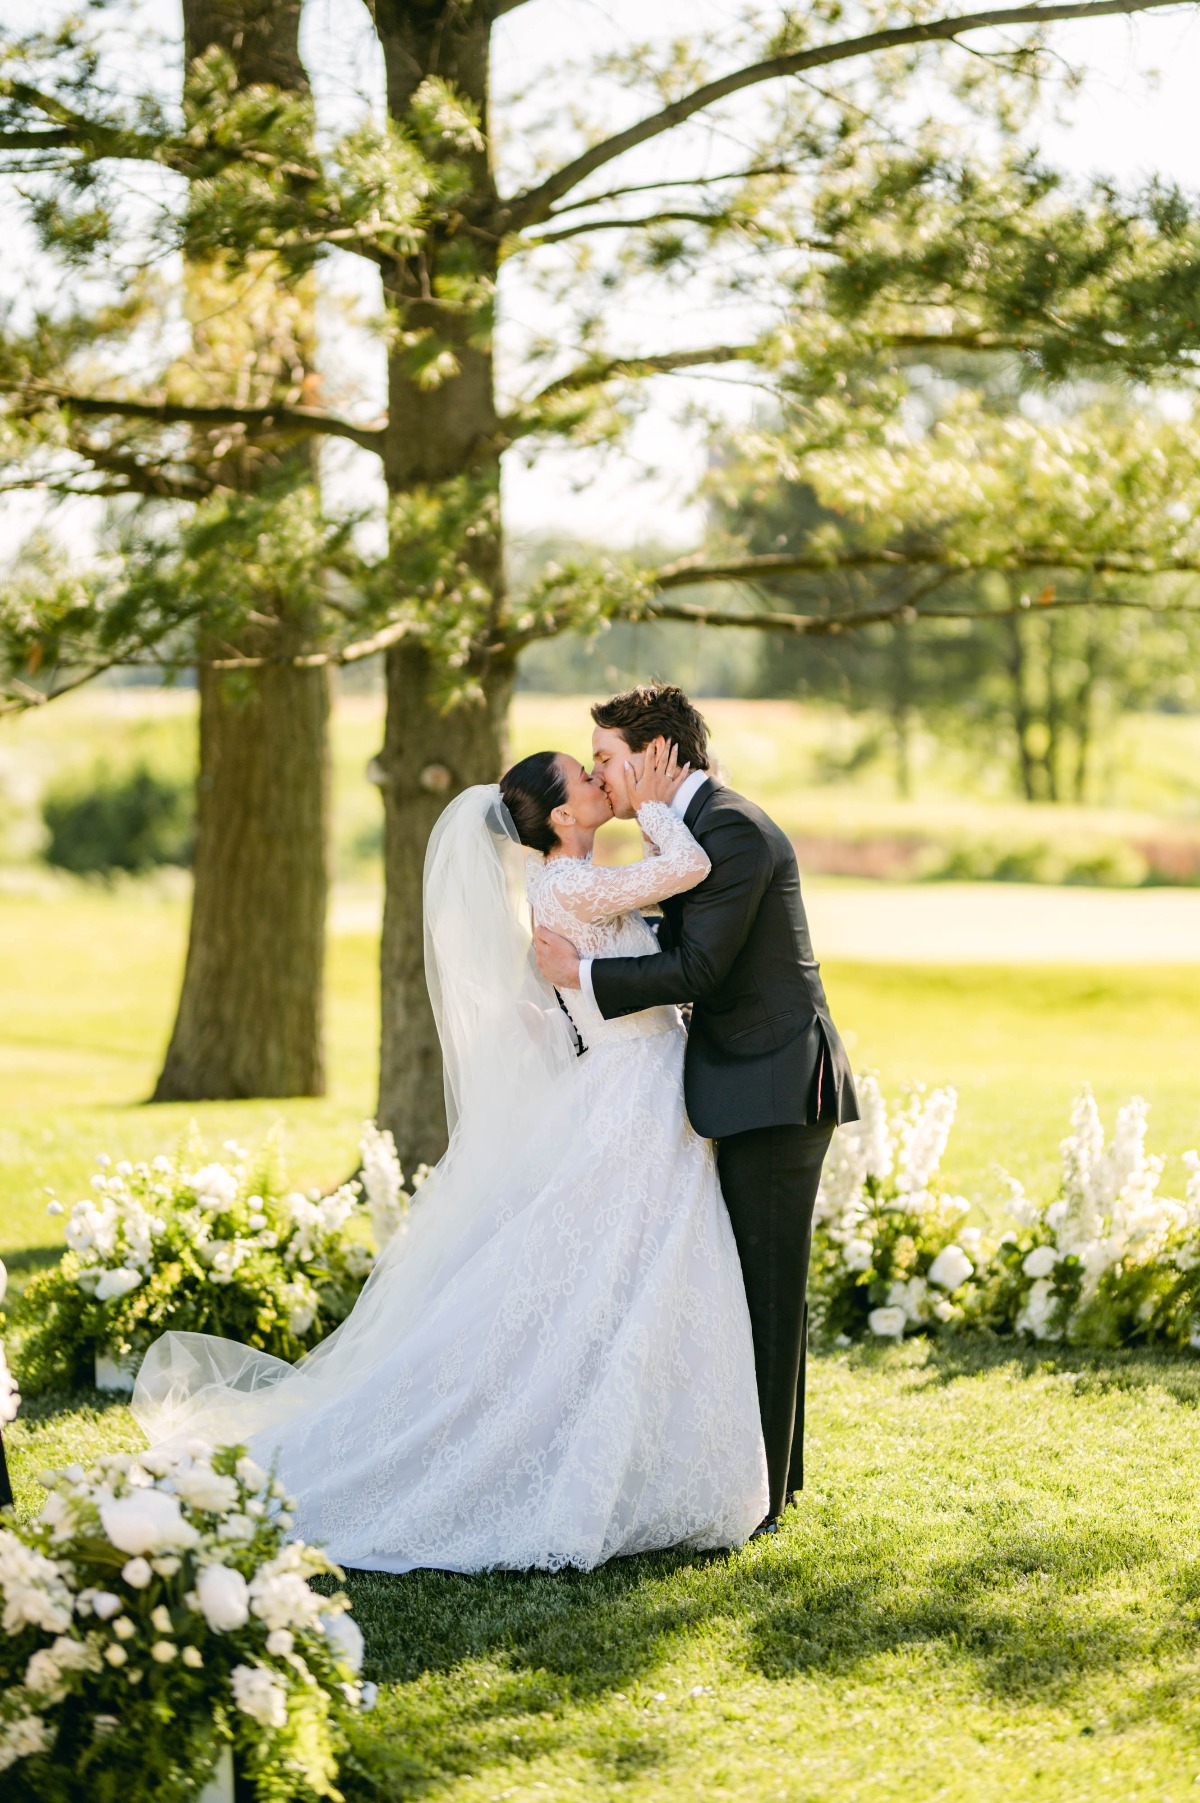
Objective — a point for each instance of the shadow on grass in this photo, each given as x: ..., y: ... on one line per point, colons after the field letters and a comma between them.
x: 831, y: 1594
x: 1093, y: 1372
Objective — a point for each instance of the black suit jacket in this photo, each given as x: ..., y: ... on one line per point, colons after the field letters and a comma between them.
x: 737, y: 947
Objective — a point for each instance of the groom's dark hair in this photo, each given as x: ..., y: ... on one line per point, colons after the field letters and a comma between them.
x: 657, y: 710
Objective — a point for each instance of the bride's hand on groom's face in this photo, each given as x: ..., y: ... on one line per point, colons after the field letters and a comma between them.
x: 659, y: 775
x: 557, y: 959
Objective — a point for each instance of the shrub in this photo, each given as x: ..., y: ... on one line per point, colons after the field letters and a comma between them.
x: 130, y: 822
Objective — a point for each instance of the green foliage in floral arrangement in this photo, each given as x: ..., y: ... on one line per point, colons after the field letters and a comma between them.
x: 196, y: 1246
x: 156, y: 1611
x: 888, y: 1249
x: 1109, y: 1262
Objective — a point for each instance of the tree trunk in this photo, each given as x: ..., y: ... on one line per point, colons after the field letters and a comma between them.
x: 1022, y: 712
x: 250, y: 1017
x: 1054, y: 712
x: 250, y: 1013
x: 902, y: 713
x: 428, y: 757
x: 442, y: 441
x: 1084, y: 715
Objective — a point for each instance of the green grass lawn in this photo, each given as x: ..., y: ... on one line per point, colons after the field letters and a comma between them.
x: 990, y: 1591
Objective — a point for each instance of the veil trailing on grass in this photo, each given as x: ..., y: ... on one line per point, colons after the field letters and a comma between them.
x: 508, y: 1054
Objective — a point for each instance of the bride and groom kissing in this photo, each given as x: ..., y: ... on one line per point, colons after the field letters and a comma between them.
x: 591, y: 1338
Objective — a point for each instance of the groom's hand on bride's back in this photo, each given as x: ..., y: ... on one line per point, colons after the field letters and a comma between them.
x: 557, y: 959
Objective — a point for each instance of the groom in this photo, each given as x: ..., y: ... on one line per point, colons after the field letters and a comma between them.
x: 766, y: 1075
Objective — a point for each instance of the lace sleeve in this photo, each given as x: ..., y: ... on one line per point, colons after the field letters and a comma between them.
x: 594, y: 892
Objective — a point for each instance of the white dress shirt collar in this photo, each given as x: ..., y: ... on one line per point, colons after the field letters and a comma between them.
x: 681, y: 801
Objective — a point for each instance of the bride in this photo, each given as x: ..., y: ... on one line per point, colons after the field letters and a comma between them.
x: 553, y: 1364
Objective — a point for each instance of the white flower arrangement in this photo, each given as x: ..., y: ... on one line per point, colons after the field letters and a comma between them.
x: 204, y: 1246
x: 888, y: 1246
x: 138, y: 1637
x: 1108, y: 1261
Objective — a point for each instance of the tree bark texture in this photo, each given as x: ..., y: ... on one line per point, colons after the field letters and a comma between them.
x: 251, y: 1010
x: 437, y: 436
x: 250, y: 1013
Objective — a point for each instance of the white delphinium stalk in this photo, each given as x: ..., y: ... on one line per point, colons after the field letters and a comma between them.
x: 922, y: 1131
x: 383, y: 1181
x: 1079, y: 1219
x: 860, y: 1151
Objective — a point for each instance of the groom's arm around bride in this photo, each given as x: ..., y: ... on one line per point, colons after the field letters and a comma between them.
x: 766, y: 1074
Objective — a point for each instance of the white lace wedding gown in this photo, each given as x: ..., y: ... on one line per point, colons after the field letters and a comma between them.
x: 578, y: 1380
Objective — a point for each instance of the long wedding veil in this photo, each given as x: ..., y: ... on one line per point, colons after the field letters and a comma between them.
x: 508, y: 1055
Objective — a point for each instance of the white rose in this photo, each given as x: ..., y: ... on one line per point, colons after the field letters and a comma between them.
x: 124, y: 1628
x: 345, y: 1636
x: 116, y: 1655
x: 250, y: 1474
x: 282, y: 1599
x: 1038, y: 1311
x: 223, y: 1598
x: 280, y: 1642
x: 368, y: 1696
x: 160, y: 1619
x: 886, y: 1323
x: 1040, y: 1262
x: 259, y: 1693
x: 106, y: 1605
x: 206, y: 1489
x: 22, y: 1738
x: 117, y: 1282
x: 137, y: 1573
x: 950, y: 1268
x: 193, y: 1657
x: 162, y: 1652
x: 857, y: 1255
x: 214, y: 1187
x: 147, y: 1521
x: 235, y: 1527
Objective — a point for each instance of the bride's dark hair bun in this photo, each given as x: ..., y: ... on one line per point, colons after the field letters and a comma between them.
x: 532, y: 790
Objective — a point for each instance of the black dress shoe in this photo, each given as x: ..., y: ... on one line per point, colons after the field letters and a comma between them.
x: 769, y: 1526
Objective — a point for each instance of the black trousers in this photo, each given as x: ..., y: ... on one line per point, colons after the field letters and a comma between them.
x: 769, y: 1178
x: 6, y: 1494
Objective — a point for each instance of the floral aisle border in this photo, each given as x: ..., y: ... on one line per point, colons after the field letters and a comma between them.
x: 154, y: 1613
x: 1108, y: 1261
x: 198, y: 1245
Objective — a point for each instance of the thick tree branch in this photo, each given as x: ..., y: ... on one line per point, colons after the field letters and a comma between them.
x: 679, y: 181
x: 900, y: 613
x: 688, y: 572
x: 611, y: 369
x: 304, y: 421
x: 533, y: 206
x: 621, y: 225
